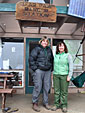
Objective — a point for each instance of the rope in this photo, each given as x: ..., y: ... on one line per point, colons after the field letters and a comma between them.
x: 77, y: 53
x: 79, y: 49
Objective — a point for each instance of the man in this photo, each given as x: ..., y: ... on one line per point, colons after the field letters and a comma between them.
x: 41, y: 62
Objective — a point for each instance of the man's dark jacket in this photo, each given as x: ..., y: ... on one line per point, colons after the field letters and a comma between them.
x: 41, y: 58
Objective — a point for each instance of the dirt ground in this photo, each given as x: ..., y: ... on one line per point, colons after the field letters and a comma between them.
x: 76, y: 103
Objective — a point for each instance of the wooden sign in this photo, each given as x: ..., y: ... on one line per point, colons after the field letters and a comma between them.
x: 35, y: 12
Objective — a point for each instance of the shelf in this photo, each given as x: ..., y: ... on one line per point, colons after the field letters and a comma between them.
x: 19, y: 83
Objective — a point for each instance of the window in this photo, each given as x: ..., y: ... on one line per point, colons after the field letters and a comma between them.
x: 11, y: 53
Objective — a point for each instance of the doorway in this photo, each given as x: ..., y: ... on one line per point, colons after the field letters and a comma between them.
x: 30, y: 44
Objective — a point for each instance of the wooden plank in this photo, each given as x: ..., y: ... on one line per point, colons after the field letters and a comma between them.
x: 6, y: 75
x: 79, y: 24
x: 6, y: 90
x: 35, y: 12
x: 81, y: 55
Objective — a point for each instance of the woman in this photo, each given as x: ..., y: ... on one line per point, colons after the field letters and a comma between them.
x: 41, y: 62
x: 63, y: 69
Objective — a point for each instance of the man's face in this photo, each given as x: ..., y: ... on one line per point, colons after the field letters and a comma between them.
x: 44, y: 43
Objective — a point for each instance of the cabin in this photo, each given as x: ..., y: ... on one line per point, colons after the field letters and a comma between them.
x: 24, y: 22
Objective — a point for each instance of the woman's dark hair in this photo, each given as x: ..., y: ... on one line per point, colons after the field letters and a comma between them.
x: 59, y: 44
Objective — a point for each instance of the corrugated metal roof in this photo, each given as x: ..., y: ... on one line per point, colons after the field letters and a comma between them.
x: 77, y: 8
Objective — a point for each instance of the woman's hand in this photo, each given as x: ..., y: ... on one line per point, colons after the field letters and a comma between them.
x: 51, y: 76
x: 68, y: 78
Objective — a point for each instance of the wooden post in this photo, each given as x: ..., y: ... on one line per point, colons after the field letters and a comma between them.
x: 3, y: 100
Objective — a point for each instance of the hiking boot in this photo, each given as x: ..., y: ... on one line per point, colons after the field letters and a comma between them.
x: 47, y: 107
x: 64, y: 109
x: 35, y: 107
x: 54, y: 108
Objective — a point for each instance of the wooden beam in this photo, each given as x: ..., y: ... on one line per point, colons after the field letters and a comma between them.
x: 84, y: 55
x: 39, y: 27
x: 77, y: 27
x: 3, y: 28
x: 60, y: 24
x: 80, y: 55
x: 39, y: 30
x: 20, y: 24
x: 72, y: 19
x: 58, y: 36
x: 37, y: 24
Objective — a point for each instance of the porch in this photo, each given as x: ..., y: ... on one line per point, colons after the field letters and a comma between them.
x: 76, y: 103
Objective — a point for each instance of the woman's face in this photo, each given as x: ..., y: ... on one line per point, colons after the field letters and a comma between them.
x: 44, y: 43
x: 61, y: 48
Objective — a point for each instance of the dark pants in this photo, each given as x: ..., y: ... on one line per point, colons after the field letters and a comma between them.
x: 60, y: 90
x: 41, y: 78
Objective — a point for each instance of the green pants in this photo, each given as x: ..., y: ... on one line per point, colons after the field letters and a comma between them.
x: 60, y: 90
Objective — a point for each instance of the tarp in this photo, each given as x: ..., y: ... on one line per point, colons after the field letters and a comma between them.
x: 79, y: 80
